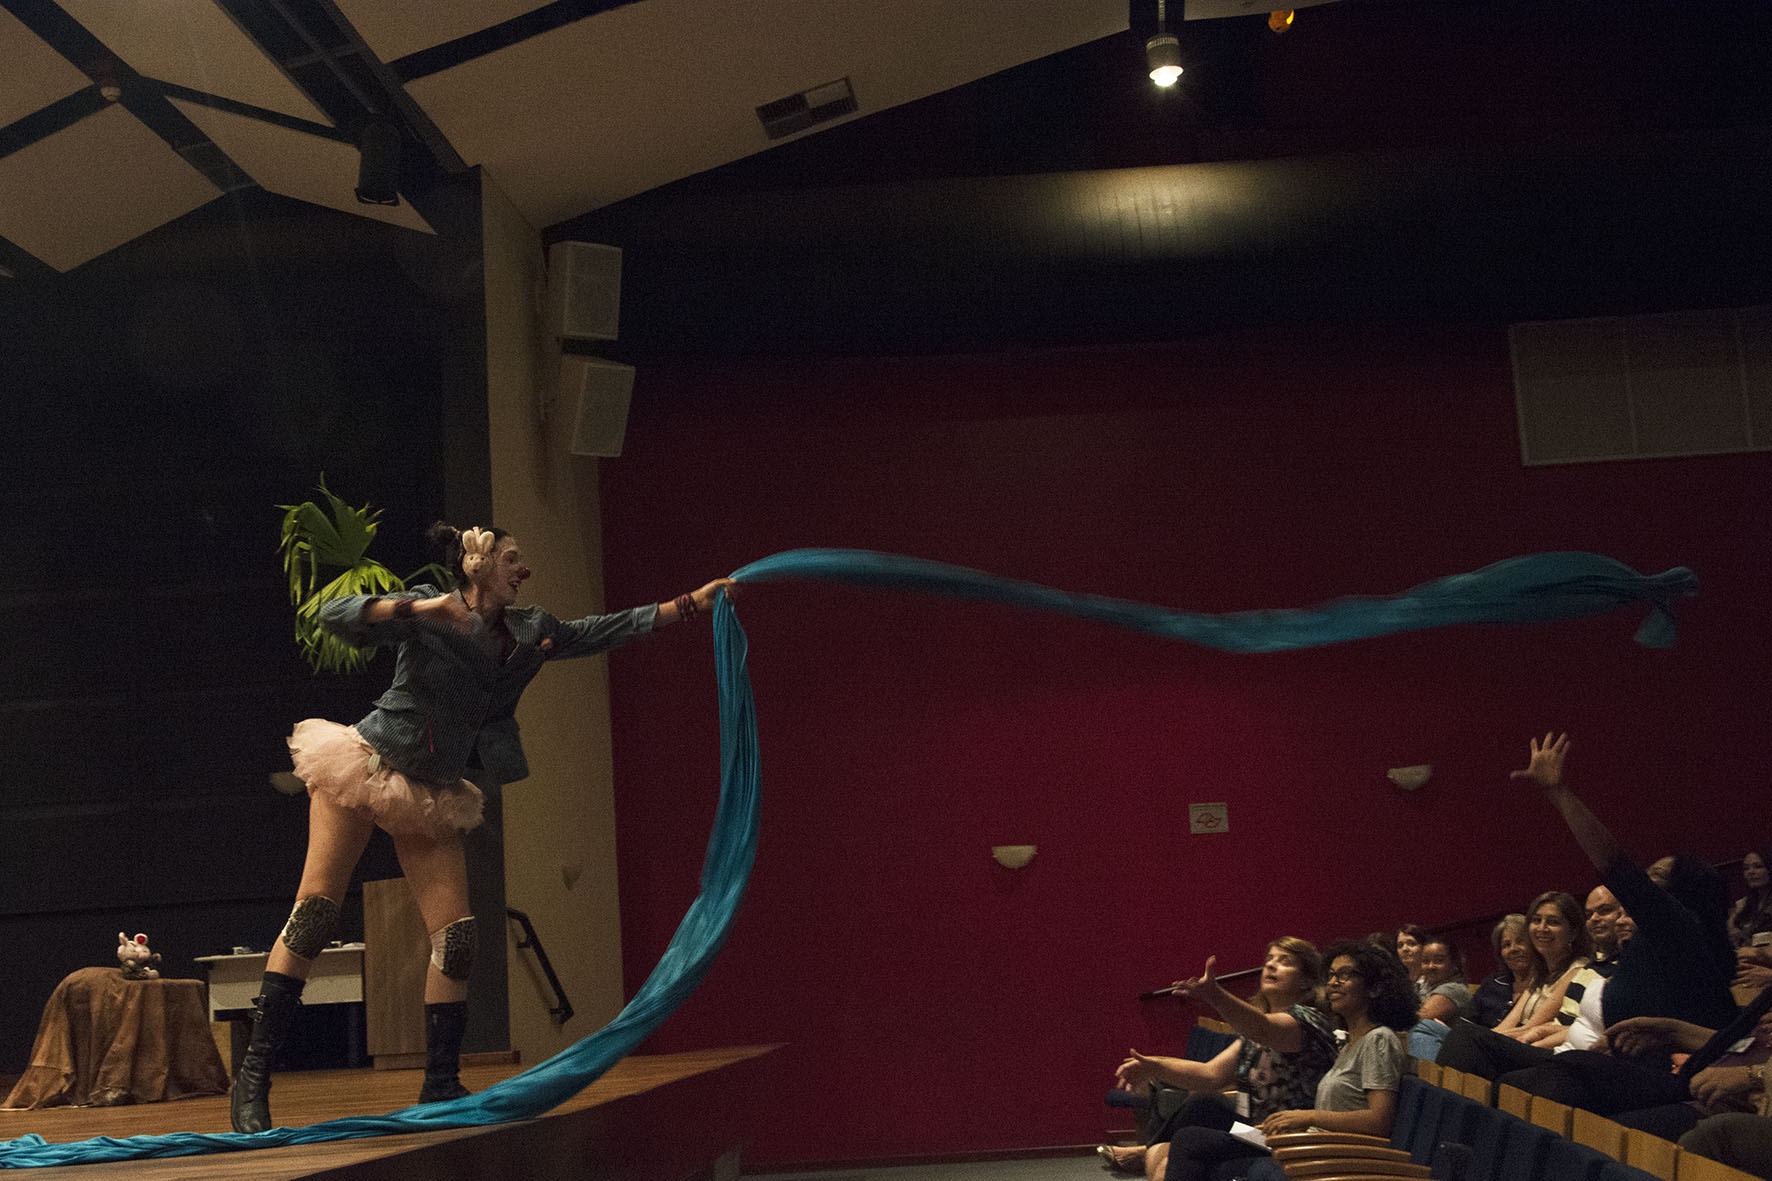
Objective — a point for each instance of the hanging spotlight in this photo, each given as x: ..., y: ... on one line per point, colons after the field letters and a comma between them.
x: 1280, y: 19
x: 378, y: 163
x: 1162, y: 52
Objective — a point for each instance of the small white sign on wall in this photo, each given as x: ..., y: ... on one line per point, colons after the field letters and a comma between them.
x: 1208, y: 818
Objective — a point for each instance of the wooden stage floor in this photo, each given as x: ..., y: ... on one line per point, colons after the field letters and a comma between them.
x: 661, y: 1117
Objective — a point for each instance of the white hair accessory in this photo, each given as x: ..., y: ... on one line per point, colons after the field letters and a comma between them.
x: 476, y: 549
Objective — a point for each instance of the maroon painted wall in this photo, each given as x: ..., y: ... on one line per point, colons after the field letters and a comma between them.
x: 935, y: 1003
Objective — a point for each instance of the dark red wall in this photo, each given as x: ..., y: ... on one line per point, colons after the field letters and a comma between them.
x: 935, y: 1003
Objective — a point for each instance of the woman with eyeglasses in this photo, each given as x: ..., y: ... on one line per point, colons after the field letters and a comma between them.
x: 1369, y: 990
x: 1287, y: 1044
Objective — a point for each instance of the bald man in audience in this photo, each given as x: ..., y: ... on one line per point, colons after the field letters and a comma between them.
x: 1605, y: 928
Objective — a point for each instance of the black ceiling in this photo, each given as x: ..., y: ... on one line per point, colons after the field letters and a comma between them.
x: 1505, y: 160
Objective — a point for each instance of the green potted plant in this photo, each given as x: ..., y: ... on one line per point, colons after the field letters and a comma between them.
x: 318, y: 540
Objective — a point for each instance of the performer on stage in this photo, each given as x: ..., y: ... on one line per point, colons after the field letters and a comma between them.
x: 464, y: 657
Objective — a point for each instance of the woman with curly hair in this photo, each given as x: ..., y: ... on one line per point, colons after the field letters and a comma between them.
x: 1369, y: 990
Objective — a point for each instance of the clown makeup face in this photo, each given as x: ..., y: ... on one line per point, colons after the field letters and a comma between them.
x: 496, y: 582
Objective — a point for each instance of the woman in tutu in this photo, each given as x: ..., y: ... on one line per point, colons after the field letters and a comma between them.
x: 463, y: 658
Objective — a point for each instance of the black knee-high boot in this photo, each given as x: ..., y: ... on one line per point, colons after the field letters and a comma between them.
x: 274, y: 1009
x: 444, y: 1026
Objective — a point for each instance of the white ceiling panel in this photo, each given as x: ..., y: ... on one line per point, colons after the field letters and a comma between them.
x: 394, y: 29
x: 94, y: 186
x: 32, y: 75
x: 652, y: 92
x: 194, y: 44
x: 295, y: 164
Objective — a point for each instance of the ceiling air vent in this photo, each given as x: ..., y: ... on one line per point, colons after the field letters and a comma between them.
x: 797, y: 112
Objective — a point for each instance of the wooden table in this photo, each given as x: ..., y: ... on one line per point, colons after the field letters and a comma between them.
x: 105, y: 1040
x: 336, y: 978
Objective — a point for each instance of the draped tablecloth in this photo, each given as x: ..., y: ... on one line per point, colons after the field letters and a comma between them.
x: 106, y: 1041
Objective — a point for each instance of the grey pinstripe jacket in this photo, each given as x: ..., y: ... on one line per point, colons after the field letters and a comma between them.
x: 449, y: 692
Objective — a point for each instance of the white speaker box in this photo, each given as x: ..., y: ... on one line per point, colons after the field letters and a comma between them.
x: 584, y: 290
x: 598, y: 393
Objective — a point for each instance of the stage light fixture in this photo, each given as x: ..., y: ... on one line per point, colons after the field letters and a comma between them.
x: 1163, y: 54
x: 1280, y: 19
x: 1162, y: 51
x: 378, y: 163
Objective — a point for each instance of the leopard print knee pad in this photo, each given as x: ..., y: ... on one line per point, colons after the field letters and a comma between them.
x: 310, y: 926
x: 452, y: 948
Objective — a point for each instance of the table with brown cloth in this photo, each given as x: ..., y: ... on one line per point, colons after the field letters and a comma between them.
x: 106, y: 1041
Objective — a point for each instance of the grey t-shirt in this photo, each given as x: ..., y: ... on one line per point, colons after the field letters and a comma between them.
x: 1455, y: 991
x: 1374, y: 1063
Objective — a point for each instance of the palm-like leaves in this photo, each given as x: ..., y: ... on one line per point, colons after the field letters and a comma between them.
x: 314, y: 542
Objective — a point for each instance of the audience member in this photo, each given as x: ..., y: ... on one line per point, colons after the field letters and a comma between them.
x: 1442, y: 970
x: 1540, y: 1016
x: 1724, y: 1071
x: 1739, y: 1140
x: 1752, y: 913
x: 1286, y: 1046
x: 1603, y: 913
x: 1513, y: 957
x: 1370, y: 991
x: 1409, y: 940
x: 1677, y: 964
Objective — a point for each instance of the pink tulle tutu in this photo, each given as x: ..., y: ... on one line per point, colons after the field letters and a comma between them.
x: 334, y: 759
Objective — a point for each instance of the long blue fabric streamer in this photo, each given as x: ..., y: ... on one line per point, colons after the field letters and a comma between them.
x: 1536, y: 587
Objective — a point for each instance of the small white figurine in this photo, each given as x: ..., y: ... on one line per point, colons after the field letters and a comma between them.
x: 135, y: 957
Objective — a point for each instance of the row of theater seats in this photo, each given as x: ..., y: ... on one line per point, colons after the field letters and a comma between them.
x: 1649, y: 1154
x: 1446, y: 1129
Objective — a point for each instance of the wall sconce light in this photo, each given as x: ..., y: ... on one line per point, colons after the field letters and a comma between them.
x: 1410, y: 778
x: 1162, y: 52
x: 1013, y: 856
x: 378, y: 163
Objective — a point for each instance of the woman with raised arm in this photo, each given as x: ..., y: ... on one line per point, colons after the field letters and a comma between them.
x: 1287, y: 1043
x: 1370, y: 991
x: 462, y: 659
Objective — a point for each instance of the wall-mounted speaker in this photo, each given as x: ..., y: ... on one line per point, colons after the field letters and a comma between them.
x: 584, y: 290
x: 597, y: 393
